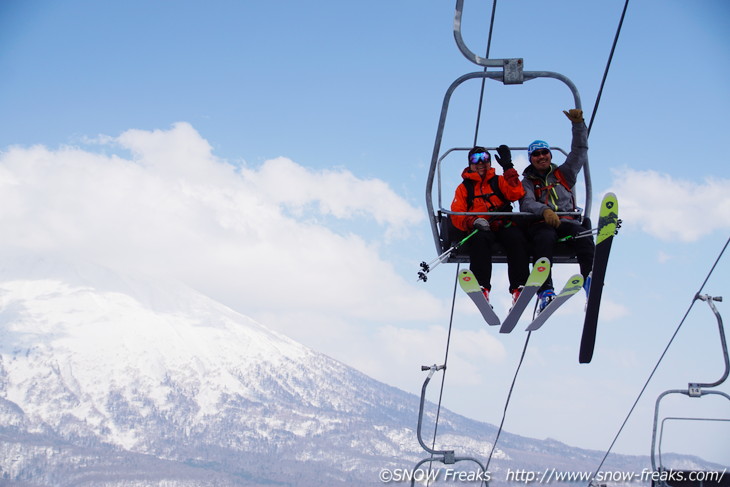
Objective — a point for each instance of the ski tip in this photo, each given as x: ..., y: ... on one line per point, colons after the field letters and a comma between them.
x: 532, y: 327
x: 610, y: 202
x: 540, y: 271
x: 575, y: 282
x: 465, y: 276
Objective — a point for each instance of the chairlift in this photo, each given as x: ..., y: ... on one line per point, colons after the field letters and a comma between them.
x: 509, y: 72
x: 690, y: 478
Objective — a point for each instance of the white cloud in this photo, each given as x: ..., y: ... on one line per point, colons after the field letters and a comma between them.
x: 613, y: 311
x: 672, y: 209
x: 469, y: 350
x: 663, y: 257
x: 249, y: 238
x: 338, y: 193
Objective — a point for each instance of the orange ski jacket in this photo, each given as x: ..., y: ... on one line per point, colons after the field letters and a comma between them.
x: 487, y: 197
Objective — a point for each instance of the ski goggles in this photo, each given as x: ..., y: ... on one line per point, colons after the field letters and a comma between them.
x: 479, y: 157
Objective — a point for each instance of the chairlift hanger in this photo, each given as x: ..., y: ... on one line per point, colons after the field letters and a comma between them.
x: 509, y: 72
x: 693, y: 390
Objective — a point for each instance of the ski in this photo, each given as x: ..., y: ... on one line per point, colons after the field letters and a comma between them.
x: 573, y: 285
x: 471, y: 286
x: 538, y: 276
x: 608, y: 224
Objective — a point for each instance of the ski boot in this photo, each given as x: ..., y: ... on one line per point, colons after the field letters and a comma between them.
x: 516, y: 295
x: 544, y: 298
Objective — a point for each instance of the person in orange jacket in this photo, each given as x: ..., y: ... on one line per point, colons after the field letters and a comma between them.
x: 483, y: 191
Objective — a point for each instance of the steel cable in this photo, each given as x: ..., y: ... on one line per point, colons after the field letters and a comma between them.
x: 608, y: 65
x: 481, y: 95
x: 661, y: 357
x: 446, y: 359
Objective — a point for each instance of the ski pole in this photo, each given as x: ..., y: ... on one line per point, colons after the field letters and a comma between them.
x: 587, y: 233
x: 426, y: 267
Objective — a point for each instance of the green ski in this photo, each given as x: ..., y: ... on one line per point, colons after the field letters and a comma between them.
x: 608, y: 225
x: 471, y: 286
x: 573, y: 285
x: 538, y: 276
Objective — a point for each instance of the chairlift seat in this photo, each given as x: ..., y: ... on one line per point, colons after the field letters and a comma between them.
x: 450, y: 236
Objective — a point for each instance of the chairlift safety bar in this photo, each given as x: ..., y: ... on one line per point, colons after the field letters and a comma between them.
x: 677, y: 418
x: 439, y: 187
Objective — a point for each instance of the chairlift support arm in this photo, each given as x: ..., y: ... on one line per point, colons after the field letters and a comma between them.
x: 487, y: 63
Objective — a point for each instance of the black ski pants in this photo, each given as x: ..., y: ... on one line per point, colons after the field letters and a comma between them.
x: 544, y: 238
x: 514, y: 241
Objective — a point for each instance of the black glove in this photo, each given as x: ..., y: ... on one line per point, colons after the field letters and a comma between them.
x: 504, y: 157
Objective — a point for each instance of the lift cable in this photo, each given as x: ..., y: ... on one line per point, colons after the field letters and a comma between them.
x: 476, y: 134
x: 519, y: 365
x: 453, y: 299
x: 506, y: 404
x: 481, y: 95
x: 661, y: 357
x: 608, y: 65
x: 446, y: 359
x: 527, y: 340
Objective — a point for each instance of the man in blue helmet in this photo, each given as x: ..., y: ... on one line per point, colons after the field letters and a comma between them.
x: 548, y: 191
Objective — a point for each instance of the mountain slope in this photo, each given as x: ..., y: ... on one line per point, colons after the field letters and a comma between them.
x: 119, y: 381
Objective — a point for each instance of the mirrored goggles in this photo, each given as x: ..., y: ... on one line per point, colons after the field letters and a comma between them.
x: 479, y: 158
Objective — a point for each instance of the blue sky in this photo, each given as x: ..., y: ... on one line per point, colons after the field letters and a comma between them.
x: 246, y: 147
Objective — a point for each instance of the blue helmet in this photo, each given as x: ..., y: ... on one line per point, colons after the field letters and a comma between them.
x: 538, y: 144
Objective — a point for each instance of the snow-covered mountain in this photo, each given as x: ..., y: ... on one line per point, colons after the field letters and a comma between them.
x: 110, y: 380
